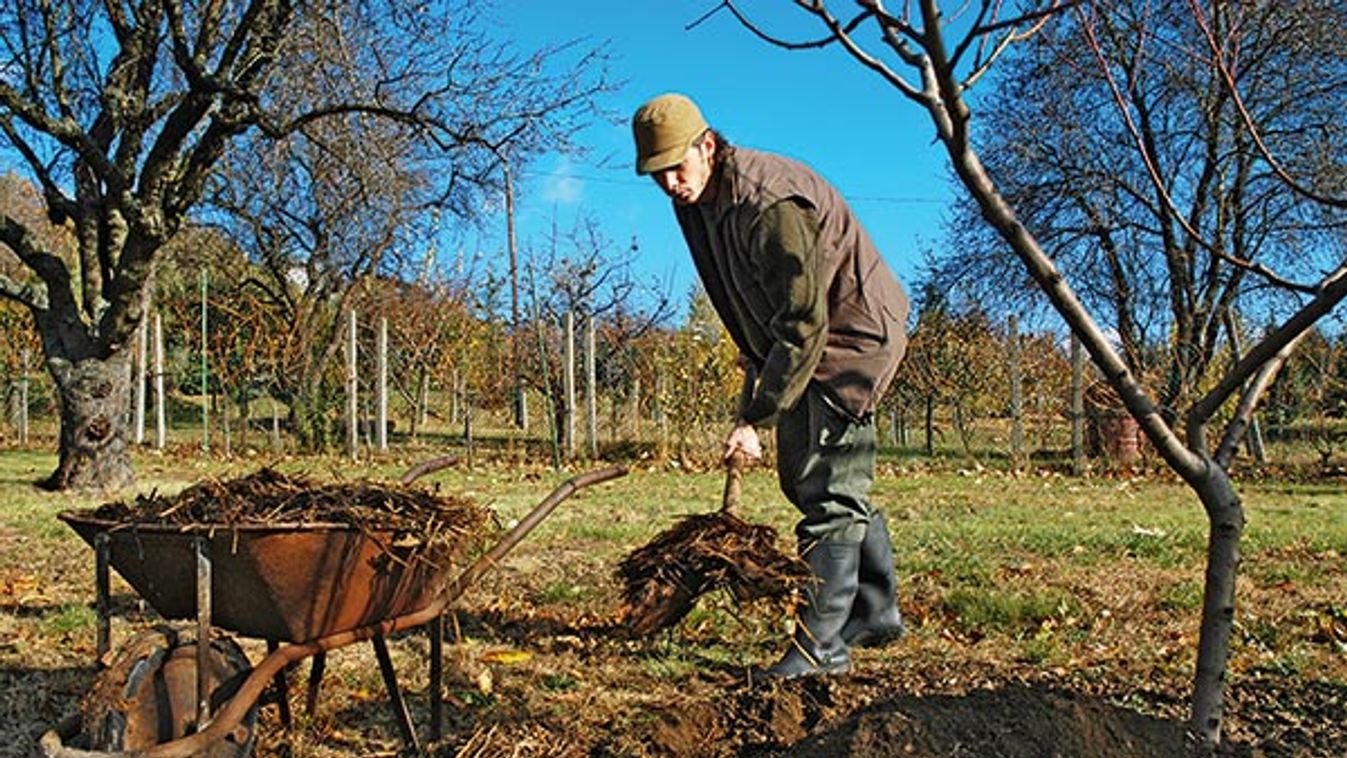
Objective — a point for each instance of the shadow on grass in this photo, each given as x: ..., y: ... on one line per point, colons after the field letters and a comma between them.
x: 37, y: 699
x: 123, y: 604
x: 526, y: 629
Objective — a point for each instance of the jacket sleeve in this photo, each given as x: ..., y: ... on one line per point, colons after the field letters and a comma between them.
x: 784, y: 246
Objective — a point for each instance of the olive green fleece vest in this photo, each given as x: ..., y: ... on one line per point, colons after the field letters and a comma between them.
x: 867, y: 307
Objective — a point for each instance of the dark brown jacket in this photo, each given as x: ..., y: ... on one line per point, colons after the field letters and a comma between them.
x: 798, y: 283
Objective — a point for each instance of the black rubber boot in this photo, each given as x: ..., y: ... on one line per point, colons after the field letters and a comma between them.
x: 817, y: 647
x: 874, y: 619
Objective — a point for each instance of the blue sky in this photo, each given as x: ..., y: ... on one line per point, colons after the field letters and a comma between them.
x: 819, y: 106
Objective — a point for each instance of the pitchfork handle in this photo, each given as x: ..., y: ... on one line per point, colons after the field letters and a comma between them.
x: 738, y: 461
x: 734, y: 482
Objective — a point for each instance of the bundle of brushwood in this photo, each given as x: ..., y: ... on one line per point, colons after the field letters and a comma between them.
x: 663, y: 579
x: 443, y: 526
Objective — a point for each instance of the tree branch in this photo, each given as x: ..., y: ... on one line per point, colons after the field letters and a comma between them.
x: 1228, y: 79
x: 1333, y: 290
x: 843, y: 34
x: 1248, y: 401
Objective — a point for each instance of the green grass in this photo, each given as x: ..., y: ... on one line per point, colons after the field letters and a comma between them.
x: 1185, y: 596
x: 1100, y: 577
x: 561, y: 592
x: 71, y: 618
x: 955, y: 534
x: 1014, y: 613
x: 938, y: 520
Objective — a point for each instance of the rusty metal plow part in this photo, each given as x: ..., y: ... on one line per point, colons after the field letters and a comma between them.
x: 229, y: 717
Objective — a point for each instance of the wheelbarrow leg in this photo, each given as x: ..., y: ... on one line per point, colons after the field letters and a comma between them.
x: 315, y: 681
x: 203, y: 618
x: 395, y: 694
x: 282, y: 686
x: 436, y: 678
x: 102, y: 552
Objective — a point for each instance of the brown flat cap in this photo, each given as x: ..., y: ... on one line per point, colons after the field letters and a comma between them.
x: 665, y: 127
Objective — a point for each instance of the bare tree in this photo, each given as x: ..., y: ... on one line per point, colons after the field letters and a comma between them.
x: 340, y: 201
x: 954, y: 359
x: 121, y: 114
x: 1156, y: 203
x: 583, y: 273
x: 935, y: 72
x: 696, y: 373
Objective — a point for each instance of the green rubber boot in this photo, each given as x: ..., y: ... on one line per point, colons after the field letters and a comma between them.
x: 817, y: 647
x: 874, y: 620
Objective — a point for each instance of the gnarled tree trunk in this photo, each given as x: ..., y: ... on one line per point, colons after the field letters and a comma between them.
x: 94, y: 394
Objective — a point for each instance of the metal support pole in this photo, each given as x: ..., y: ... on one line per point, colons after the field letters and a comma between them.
x: 205, y: 383
x: 160, y: 421
x: 102, y: 549
x: 591, y: 392
x: 23, y: 399
x: 352, y: 401
x: 203, y: 613
x: 142, y: 353
x: 568, y: 385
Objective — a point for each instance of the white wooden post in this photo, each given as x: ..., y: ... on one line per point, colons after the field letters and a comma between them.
x: 160, y: 419
x: 381, y: 436
x: 568, y: 402
x: 142, y: 335
x: 591, y: 391
x: 23, y: 398
x: 352, y: 406
x: 205, y: 374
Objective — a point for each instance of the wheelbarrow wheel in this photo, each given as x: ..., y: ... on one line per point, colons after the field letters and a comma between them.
x: 147, y: 696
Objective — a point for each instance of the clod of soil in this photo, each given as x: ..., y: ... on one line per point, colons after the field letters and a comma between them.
x: 701, y: 553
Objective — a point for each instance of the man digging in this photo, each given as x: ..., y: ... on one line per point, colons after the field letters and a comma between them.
x: 812, y: 306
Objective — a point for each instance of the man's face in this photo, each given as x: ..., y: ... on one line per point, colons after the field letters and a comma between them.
x: 688, y: 181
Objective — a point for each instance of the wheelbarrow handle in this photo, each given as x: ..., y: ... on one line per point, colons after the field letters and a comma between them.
x: 526, y: 525
x: 427, y: 467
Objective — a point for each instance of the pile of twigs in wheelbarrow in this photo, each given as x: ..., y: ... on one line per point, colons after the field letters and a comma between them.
x: 704, y: 552
x: 441, y: 525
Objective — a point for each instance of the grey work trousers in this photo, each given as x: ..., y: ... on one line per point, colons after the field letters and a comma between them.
x: 826, y: 466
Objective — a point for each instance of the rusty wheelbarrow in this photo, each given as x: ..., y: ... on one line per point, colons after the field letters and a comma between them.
x: 305, y: 588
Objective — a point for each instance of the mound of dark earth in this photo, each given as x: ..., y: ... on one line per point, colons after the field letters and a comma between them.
x: 817, y: 719
x: 1015, y: 722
